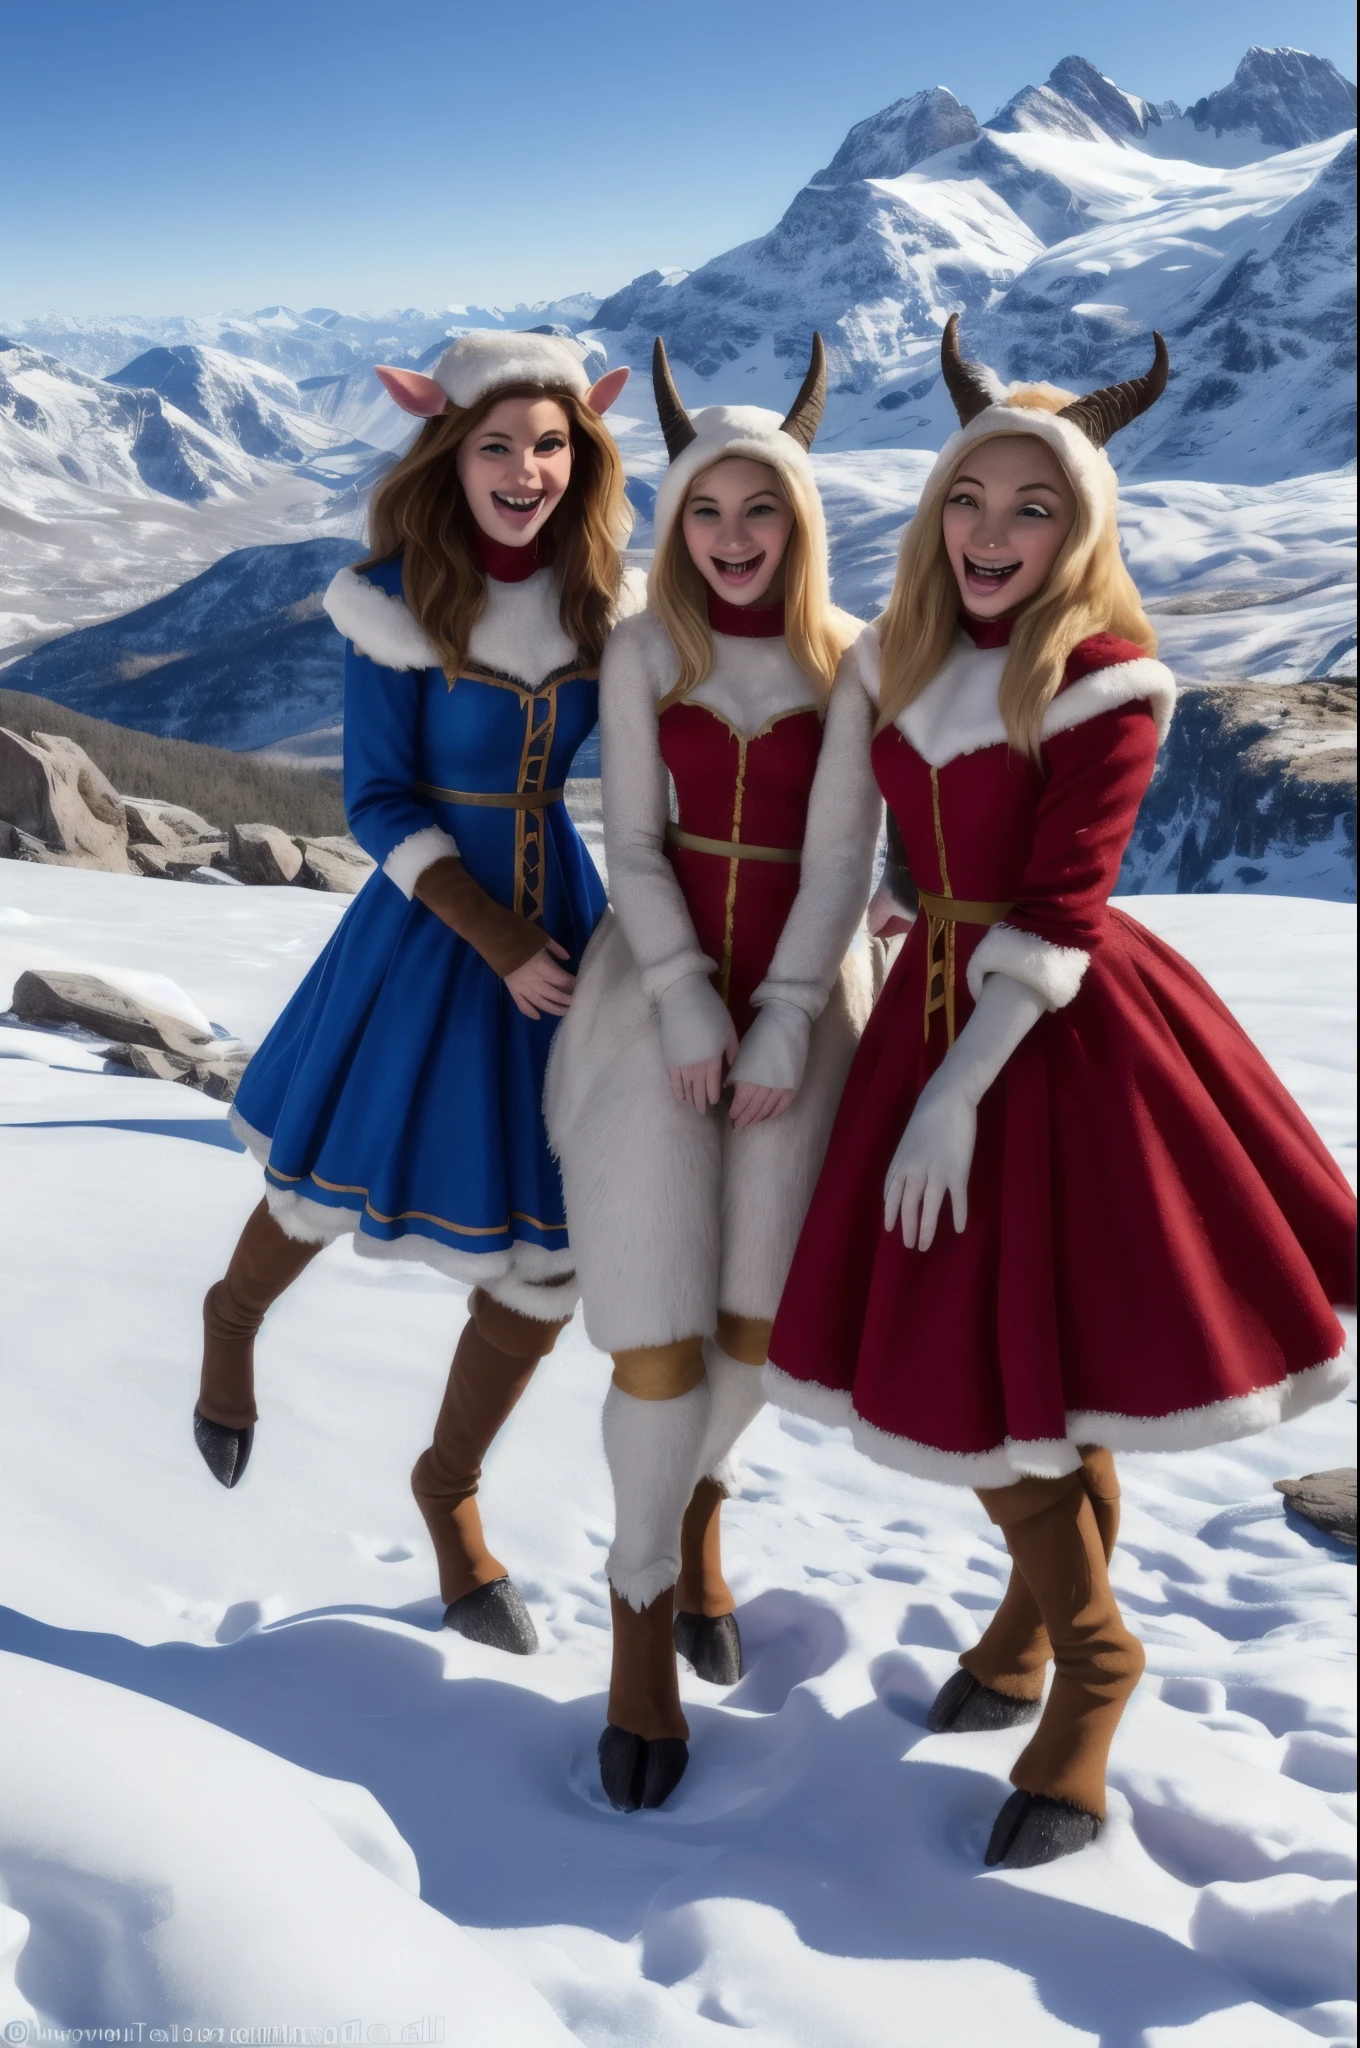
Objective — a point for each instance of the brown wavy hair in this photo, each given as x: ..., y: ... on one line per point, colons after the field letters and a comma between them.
x: 420, y: 511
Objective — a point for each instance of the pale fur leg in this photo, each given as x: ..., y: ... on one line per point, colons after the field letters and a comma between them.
x: 736, y: 1396
x: 653, y: 1452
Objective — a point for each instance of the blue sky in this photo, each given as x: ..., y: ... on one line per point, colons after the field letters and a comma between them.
x: 175, y: 156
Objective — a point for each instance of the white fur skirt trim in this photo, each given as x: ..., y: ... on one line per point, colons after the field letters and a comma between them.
x: 1190, y: 1429
x: 528, y: 1277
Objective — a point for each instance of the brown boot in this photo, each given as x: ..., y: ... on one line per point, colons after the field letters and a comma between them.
x: 263, y: 1266
x: 1001, y: 1681
x: 1053, y: 1536
x: 496, y: 1357
x: 706, y: 1632
x: 643, y: 1751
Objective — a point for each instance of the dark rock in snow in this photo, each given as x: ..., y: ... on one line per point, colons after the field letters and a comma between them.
x: 263, y: 854
x: 1250, y: 772
x: 1326, y: 1499
x: 48, y: 998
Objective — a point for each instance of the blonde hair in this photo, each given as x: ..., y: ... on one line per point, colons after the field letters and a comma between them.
x: 420, y: 510
x: 816, y: 632
x: 1088, y: 590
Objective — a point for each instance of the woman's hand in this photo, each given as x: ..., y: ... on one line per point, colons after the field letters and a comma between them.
x: 700, y: 1082
x: 932, y: 1160
x: 752, y: 1104
x: 540, y: 985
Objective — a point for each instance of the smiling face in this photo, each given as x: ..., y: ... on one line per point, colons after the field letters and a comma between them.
x: 515, y: 466
x: 1008, y: 512
x: 736, y: 524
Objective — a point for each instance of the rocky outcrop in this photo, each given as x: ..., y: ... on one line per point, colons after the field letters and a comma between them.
x: 337, y: 864
x: 171, y: 826
x: 263, y: 854
x: 1326, y: 1499
x: 216, y: 1078
x: 1253, y: 776
x: 136, y: 1035
x: 47, y: 997
x: 66, y: 810
x: 181, y: 865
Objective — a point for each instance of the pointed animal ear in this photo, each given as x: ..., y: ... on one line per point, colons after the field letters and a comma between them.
x: 602, y: 394
x: 413, y: 393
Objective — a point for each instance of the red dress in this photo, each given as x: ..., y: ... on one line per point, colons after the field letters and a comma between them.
x: 1155, y: 1232
x: 749, y: 795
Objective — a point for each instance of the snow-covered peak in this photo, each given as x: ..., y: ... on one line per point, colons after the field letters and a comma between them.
x: 59, y: 425
x: 255, y: 407
x: 1285, y: 97
x: 1078, y: 101
x: 900, y: 137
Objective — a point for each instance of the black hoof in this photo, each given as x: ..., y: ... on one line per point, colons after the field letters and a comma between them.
x: 712, y: 1644
x: 964, y: 1706
x: 225, y: 1452
x: 494, y: 1614
x: 1032, y: 1829
x: 635, y: 1772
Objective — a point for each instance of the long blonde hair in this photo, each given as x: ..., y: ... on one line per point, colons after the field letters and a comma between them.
x: 1088, y: 591
x: 420, y: 508
x: 817, y: 633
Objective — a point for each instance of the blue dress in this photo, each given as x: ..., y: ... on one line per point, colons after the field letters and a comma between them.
x: 401, y: 1088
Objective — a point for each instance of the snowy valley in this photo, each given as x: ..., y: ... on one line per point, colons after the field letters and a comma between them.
x: 246, y: 1779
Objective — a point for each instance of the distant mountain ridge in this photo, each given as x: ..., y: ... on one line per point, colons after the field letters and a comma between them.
x: 238, y: 657
x: 1063, y: 229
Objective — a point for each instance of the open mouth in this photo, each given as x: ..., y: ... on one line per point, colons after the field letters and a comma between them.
x: 517, y: 511
x: 989, y: 576
x: 737, y: 574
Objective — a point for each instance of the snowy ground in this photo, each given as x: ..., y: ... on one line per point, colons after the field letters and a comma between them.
x: 233, y: 1740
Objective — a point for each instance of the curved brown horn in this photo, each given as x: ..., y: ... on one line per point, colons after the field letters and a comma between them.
x: 805, y: 414
x: 1102, y: 413
x: 967, y: 382
x: 676, y: 424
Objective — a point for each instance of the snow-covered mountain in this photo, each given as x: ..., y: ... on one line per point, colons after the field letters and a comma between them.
x: 1063, y: 229
x: 59, y: 424
x: 112, y: 492
x: 251, y: 405
x: 238, y: 657
x: 316, y: 343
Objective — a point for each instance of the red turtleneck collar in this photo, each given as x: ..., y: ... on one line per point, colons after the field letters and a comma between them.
x: 987, y: 632
x: 502, y: 563
x: 745, y: 621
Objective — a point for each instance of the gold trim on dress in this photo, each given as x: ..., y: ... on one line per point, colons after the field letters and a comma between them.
x: 493, y: 799
x: 733, y: 869
x: 339, y: 1187
x: 944, y: 913
x: 693, y: 842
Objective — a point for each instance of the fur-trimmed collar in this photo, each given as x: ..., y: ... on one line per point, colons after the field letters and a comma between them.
x: 957, y: 711
x: 519, y: 633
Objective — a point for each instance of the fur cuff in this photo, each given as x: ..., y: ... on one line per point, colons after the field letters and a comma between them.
x: 379, y: 626
x: 1053, y: 972
x: 408, y: 860
x: 639, y: 1589
x: 774, y: 1051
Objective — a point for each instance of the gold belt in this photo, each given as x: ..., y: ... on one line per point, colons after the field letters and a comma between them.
x: 494, y: 799
x: 732, y: 849
x: 943, y: 915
